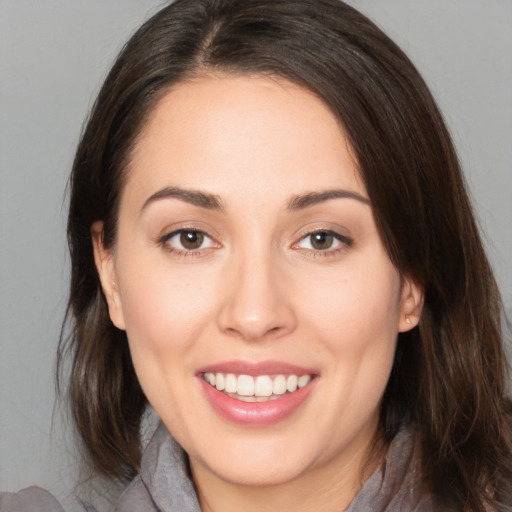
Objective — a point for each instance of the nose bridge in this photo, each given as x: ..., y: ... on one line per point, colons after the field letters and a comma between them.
x: 257, y: 304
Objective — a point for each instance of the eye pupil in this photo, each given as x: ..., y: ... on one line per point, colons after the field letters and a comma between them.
x: 321, y: 241
x: 191, y: 239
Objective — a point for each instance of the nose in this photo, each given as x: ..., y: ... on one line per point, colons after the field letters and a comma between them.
x: 257, y: 303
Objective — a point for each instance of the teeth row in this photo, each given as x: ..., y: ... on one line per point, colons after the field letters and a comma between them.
x: 263, y: 385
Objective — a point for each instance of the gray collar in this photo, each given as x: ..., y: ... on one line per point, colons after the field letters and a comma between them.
x: 395, y: 485
x: 165, y: 473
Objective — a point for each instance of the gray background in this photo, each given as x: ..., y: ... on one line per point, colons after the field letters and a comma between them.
x: 53, y: 55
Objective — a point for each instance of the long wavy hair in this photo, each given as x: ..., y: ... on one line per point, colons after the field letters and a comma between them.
x: 449, y: 375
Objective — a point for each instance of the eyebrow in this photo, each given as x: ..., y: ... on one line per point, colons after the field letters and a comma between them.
x: 213, y: 202
x: 312, y: 198
x: 195, y: 197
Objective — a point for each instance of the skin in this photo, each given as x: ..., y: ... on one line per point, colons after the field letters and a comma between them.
x: 257, y: 289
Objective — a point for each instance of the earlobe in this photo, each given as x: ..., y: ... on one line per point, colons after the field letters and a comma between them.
x: 411, y: 305
x: 104, y: 261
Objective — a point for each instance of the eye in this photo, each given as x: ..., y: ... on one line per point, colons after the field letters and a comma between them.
x: 187, y: 240
x: 325, y: 240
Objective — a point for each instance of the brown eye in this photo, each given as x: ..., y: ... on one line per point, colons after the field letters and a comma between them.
x: 321, y: 241
x: 191, y: 240
x: 183, y: 241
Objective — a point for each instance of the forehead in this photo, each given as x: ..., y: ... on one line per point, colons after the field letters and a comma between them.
x: 244, y: 133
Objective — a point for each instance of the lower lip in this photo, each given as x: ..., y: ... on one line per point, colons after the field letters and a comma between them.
x: 255, y: 413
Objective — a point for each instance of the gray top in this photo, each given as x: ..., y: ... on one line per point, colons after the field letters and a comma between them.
x: 164, y: 484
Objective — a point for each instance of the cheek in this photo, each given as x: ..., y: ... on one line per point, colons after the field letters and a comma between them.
x: 165, y: 316
x: 355, y: 318
x: 164, y: 307
x: 163, y: 313
x: 355, y: 307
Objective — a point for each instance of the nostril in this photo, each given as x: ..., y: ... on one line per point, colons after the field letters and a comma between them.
x: 258, y: 330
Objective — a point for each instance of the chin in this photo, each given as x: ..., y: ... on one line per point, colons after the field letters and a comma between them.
x: 264, y: 471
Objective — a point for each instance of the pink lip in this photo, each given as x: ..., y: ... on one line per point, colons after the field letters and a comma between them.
x: 255, y: 413
x: 255, y: 369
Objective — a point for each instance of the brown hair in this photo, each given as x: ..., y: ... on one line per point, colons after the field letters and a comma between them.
x: 448, y: 380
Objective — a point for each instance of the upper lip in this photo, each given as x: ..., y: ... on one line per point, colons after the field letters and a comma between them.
x: 257, y: 368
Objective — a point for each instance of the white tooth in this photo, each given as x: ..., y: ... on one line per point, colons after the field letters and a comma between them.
x: 245, y: 385
x: 212, y: 379
x: 291, y: 383
x: 263, y: 386
x: 279, y: 385
x: 304, y: 380
x: 208, y: 377
x: 230, y: 383
x: 219, y: 381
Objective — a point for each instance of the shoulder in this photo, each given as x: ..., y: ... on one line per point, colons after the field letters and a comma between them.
x: 135, y: 498
x: 32, y: 499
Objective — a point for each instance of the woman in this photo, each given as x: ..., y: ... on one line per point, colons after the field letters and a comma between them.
x: 272, y: 245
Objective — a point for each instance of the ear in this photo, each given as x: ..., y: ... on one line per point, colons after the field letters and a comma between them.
x: 411, y: 305
x: 104, y: 261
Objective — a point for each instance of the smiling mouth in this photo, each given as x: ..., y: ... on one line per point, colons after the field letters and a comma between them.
x: 262, y: 388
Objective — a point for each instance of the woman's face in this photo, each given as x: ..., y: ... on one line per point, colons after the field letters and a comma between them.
x: 247, y: 255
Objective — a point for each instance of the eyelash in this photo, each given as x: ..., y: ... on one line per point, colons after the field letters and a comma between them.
x: 343, y: 243
x: 165, y: 241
